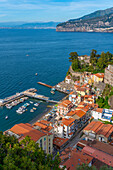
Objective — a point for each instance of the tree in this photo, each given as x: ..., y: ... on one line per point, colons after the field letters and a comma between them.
x: 76, y: 64
x: 93, y: 57
x: 73, y: 56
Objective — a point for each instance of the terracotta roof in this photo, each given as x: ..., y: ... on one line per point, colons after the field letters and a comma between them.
x: 59, y: 141
x: 100, y: 110
x: 80, y: 113
x: 68, y: 77
x: 67, y: 122
x: 74, y: 158
x: 103, y: 157
x: 27, y: 130
x: 100, y: 128
x: 93, y: 126
x: 45, y: 122
x: 71, y: 113
x: 40, y: 125
x: 65, y: 103
x: 100, y: 75
x: 105, y: 147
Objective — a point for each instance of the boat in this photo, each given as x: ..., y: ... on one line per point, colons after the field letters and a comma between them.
x: 34, y: 108
x: 36, y: 74
x: 27, y: 55
x: 31, y: 102
x: 6, y: 117
x: 31, y: 110
x: 36, y: 104
x: 52, y: 92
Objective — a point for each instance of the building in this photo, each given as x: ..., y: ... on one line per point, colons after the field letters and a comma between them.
x: 89, y: 99
x: 44, y: 139
x: 97, y: 78
x: 99, y: 131
x: 108, y: 78
x: 64, y: 107
x: 74, y: 98
x: 68, y: 79
x: 65, y: 128
x: 59, y: 143
x: 103, y: 114
x: 71, y: 158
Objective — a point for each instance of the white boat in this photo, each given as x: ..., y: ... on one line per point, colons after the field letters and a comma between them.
x: 6, y: 117
x: 31, y: 110
x: 36, y: 104
x: 36, y: 74
x: 31, y: 102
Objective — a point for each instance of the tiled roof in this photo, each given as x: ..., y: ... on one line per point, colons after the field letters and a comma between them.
x: 105, y: 147
x: 80, y: 113
x: 27, y: 130
x: 103, y: 157
x: 45, y: 122
x: 100, y: 75
x: 65, y: 103
x: 71, y: 113
x: 93, y: 126
x: 73, y: 158
x: 100, y: 128
x: 40, y: 125
x: 68, y: 77
x: 100, y: 110
x: 67, y: 122
x: 59, y: 141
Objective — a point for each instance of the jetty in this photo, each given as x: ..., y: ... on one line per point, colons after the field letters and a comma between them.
x: 54, y: 87
x: 44, y: 84
x: 27, y: 93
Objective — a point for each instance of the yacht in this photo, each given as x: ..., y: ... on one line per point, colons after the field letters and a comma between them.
x: 6, y: 117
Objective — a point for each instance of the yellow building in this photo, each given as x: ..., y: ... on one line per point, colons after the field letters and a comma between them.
x: 99, y: 77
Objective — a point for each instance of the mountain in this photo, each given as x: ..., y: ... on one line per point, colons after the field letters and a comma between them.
x: 98, y: 21
x: 40, y: 25
x: 31, y: 25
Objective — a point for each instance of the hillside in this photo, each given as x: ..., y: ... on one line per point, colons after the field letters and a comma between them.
x: 99, y: 21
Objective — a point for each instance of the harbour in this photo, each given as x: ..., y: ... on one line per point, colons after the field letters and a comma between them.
x: 27, y: 93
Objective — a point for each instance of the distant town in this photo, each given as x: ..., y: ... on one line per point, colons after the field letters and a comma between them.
x: 80, y: 126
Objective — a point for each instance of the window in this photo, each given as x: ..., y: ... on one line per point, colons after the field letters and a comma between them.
x: 41, y: 143
x: 44, y: 139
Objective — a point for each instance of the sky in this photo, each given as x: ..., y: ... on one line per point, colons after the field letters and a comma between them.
x: 48, y: 10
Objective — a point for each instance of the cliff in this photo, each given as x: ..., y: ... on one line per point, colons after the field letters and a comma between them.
x: 89, y: 23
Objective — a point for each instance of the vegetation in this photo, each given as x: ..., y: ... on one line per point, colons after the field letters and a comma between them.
x: 107, y: 93
x: 97, y: 62
x: 25, y: 155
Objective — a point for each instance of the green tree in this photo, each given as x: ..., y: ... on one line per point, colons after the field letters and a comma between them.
x: 73, y: 56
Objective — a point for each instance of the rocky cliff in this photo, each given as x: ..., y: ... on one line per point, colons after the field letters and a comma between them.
x: 102, y: 23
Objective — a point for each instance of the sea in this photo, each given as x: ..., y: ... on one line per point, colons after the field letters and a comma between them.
x: 24, y: 52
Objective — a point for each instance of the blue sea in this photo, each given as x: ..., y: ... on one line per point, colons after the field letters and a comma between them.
x: 26, y: 52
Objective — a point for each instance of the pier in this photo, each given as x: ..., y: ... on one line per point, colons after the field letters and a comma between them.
x: 44, y: 84
x: 28, y: 93
x: 55, y: 87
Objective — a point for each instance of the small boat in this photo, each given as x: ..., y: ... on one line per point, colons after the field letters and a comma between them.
x: 36, y: 74
x: 36, y: 104
x: 34, y: 108
x: 27, y: 55
x: 6, y: 117
x: 31, y: 102
x: 52, y: 92
x: 31, y: 110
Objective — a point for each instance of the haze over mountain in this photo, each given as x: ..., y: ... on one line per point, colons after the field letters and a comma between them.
x: 98, y: 21
x: 24, y: 25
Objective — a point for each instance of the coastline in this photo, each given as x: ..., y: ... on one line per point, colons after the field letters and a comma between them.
x: 48, y: 109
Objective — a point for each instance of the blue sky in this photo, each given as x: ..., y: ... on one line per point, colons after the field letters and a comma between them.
x: 48, y: 10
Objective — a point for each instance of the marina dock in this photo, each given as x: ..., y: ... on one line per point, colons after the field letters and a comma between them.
x: 27, y: 93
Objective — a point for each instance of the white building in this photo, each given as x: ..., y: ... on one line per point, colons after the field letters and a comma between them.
x: 68, y: 79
